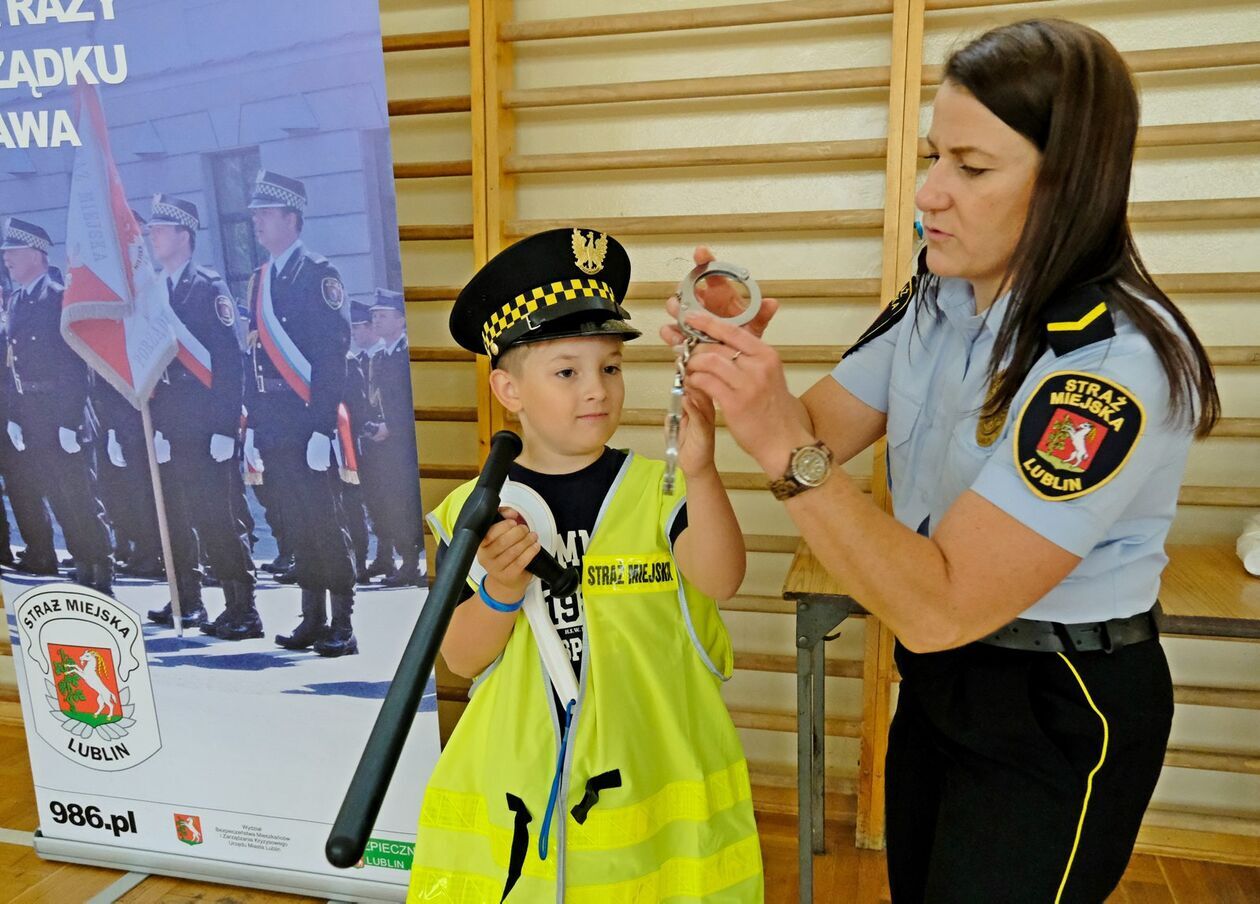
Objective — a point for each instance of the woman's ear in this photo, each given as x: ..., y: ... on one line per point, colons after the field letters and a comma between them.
x: 503, y: 385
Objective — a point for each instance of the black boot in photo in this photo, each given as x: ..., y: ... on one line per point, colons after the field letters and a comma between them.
x: 314, y: 625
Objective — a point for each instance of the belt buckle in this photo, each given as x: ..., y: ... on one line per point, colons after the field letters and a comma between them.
x: 1065, y: 636
x: 1108, y: 645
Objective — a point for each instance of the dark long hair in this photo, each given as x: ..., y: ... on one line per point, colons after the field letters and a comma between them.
x: 1065, y: 88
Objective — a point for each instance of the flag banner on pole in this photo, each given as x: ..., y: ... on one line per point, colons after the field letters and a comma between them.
x: 114, y: 312
x: 184, y: 243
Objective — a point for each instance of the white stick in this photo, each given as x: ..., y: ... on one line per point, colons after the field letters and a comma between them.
x: 163, y: 531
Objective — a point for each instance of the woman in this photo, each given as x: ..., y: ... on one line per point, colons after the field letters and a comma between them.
x: 1039, y: 394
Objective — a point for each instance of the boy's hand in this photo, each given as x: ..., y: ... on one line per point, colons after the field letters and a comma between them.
x: 695, y: 435
x: 508, y: 548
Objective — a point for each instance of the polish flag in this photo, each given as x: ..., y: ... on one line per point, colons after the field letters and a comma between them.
x: 115, y: 313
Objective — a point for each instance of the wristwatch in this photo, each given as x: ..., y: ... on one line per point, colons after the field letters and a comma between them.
x: 808, y: 467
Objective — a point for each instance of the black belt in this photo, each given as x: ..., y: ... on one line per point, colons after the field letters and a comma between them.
x: 1054, y: 637
x: 266, y: 385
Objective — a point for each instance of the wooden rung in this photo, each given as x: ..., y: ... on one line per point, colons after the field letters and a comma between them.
x: 830, y: 290
x: 785, y: 664
x: 788, y: 354
x: 1234, y: 355
x: 783, y: 775
x: 446, y: 232
x: 1205, y: 56
x: 872, y: 149
x: 713, y: 17
x: 1182, y: 134
x: 1181, y: 210
x: 697, y: 88
x: 432, y: 170
x: 1229, y: 497
x: 765, y: 720
x: 1235, y: 824
x: 1211, y: 56
x: 429, y: 355
x: 1213, y: 760
x: 1184, y: 210
x: 683, y: 19
x: 440, y: 414
x: 1167, y: 59
x: 774, y: 543
x: 426, y: 40
x: 825, y: 289
x: 762, y: 605
x: 1226, y: 697
x: 1237, y: 427
x: 713, y: 224
x: 431, y: 293
x: 424, y: 106
x: 821, y: 355
x: 448, y: 472
x: 1193, y: 133
x: 1209, y: 283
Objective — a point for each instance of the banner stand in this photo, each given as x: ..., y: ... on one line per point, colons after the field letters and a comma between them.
x: 319, y: 885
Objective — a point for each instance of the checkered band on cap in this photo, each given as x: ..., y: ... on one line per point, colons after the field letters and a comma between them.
x: 546, y: 296
x: 15, y: 234
x: 285, y: 192
x: 165, y: 211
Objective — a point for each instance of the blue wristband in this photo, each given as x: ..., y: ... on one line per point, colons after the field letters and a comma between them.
x: 495, y: 604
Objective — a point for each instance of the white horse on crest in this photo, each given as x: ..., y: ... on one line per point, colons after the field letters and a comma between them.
x: 89, y: 665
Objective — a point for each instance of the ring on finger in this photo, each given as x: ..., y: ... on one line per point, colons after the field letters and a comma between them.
x: 735, y: 357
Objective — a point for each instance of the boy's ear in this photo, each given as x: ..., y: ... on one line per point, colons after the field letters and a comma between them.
x: 503, y: 385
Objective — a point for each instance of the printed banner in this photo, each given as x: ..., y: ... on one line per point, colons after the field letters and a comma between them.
x: 211, y: 502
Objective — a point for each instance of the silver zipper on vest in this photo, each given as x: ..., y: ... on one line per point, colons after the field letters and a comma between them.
x: 563, y: 797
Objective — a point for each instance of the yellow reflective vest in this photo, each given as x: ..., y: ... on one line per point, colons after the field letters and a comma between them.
x: 654, y: 801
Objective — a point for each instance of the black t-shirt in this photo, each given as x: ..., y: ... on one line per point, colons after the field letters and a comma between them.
x: 575, y: 500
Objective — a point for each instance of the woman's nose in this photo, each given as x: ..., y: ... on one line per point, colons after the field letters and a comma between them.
x: 931, y: 196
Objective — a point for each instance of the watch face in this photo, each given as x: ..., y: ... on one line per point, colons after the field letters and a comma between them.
x: 810, y: 466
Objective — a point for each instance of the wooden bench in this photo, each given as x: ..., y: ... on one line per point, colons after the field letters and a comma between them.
x: 1205, y: 592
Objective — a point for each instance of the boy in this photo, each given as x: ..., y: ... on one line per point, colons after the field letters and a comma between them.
x: 638, y: 792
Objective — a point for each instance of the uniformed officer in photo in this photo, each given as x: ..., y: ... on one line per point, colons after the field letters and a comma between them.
x: 390, y: 451
x: 196, y: 415
x: 299, y: 336
x: 123, y: 482
x: 30, y: 512
x: 362, y: 341
x: 47, y: 411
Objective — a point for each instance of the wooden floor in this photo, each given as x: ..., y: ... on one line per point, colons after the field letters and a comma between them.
x: 842, y: 875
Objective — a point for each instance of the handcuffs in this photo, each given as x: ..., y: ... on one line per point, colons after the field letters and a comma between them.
x: 688, y: 302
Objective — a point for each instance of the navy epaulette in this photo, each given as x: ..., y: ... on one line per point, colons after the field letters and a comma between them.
x: 1078, y: 318
x: 889, y: 317
x: 209, y: 273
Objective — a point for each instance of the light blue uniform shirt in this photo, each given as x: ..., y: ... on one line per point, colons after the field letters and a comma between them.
x: 929, y: 374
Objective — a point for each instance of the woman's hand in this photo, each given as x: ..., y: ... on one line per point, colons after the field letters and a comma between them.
x: 719, y: 295
x: 745, y: 377
x: 508, y: 548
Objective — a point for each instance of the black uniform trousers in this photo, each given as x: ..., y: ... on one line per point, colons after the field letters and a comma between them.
x: 394, y: 495
x: 30, y: 510
x: 355, y: 517
x: 1022, y: 776
x: 127, y: 493
x: 65, y: 479
x: 199, y: 506
x: 313, y: 521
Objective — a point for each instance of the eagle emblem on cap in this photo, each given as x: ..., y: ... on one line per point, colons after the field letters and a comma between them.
x: 589, y: 250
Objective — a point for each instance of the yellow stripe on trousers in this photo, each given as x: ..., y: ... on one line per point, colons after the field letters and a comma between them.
x: 1089, y: 781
